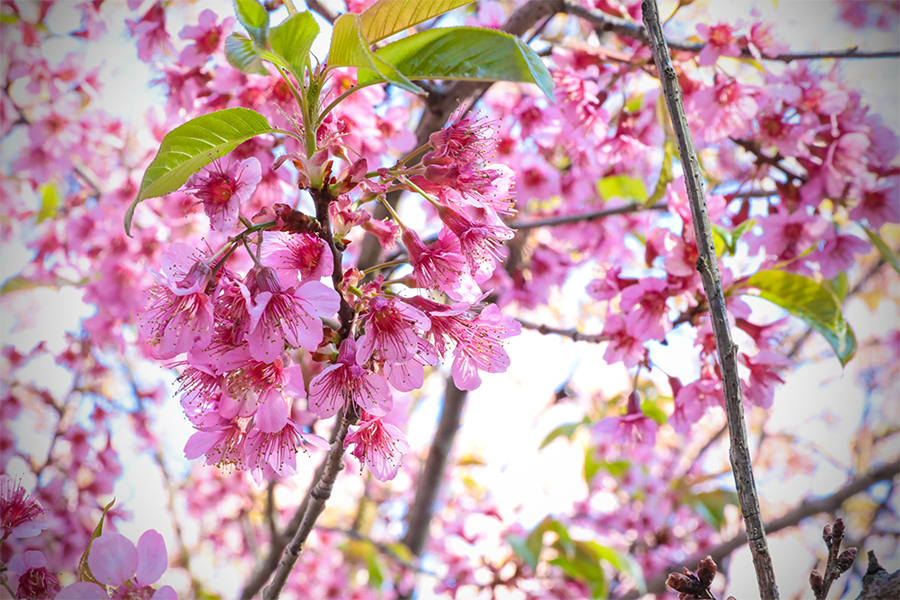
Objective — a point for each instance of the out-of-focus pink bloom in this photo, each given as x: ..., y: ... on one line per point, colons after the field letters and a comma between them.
x: 19, y: 513
x: 35, y: 582
x: 222, y: 190
x: 391, y: 331
x: 633, y: 428
x: 720, y: 41
x: 83, y: 590
x: 879, y: 204
x: 380, y: 445
x: 609, y: 285
x: 291, y: 315
x: 208, y: 38
x: 180, y: 314
x: 727, y: 108
x: 151, y: 33
x: 759, y: 389
x: 693, y: 400
x: 346, y: 382
x: 761, y: 41
x: 839, y: 253
x: 784, y: 236
x: 622, y: 346
x: 644, y: 307
x: 844, y: 161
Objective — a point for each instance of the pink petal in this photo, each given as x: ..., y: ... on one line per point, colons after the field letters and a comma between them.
x: 324, y: 300
x: 166, y: 592
x: 82, y: 590
x: 112, y: 559
x: 272, y: 414
x: 152, y: 558
x: 465, y: 373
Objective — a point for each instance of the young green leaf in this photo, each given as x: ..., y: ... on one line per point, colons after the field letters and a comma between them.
x: 469, y: 53
x: 387, y: 17
x: 889, y: 256
x: 350, y: 48
x: 190, y: 147
x: 84, y: 571
x: 622, y: 186
x: 243, y: 54
x: 293, y: 39
x: 812, y: 303
x: 255, y: 19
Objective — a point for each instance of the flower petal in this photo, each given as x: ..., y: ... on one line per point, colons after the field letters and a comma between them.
x: 112, y: 559
x: 152, y: 557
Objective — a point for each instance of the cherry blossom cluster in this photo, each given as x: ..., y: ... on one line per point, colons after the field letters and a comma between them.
x: 238, y: 333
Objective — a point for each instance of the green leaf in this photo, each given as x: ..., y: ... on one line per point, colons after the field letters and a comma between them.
x: 254, y: 18
x: 387, y: 17
x: 665, y: 172
x: 809, y: 301
x: 18, y: 283
x: 293, y: 39
x: 190, y: 147
x: 84, y: 571
x: 468, y: 53
x: 649, y: 408
x: 244, y: 55
x: 622, y: 186
x: 889, y: 256
x: 711, y: 506
x: 49, y: 201
x: 721, y: 239
x: 622, y: 563
x: 566, y: 430
x: 520, y: 547
x: 350, y: 48
x: 739, y: 231
x: 838, y: 286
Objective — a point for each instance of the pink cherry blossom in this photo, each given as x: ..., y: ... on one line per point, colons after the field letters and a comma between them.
x: 481, y: 348
x: 392, y: 328
x: 223, y: 190
x: 838, y: 253
x: 150, y: 30
x: 278, y: 449
x: 380, y: 445
x: 222, y: 443
x: 180, y: 314
x: 346, y: 382
x: 208, y: 38
x: 764, y: 376
x: 20, y: 514
x: 290, y: 315
x: 720, y: 41
x: 35, y: 582
x: 300, y: 254
x: 479, y: 241
x: 632, y: 428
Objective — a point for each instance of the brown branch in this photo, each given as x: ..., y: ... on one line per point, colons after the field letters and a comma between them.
x: 569, y: 333
x: 327, y: 14
x: 585, y: 217
x: 712, y: 285
x: 318, y: 496
x: 775, y: 161
x: 418, y: 518
x: 793, y: 517
x: 878, y: 584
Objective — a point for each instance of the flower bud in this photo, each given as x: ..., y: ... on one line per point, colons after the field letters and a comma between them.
x: 817, y: 583
x: 846, y: 559
x: 706, y: 571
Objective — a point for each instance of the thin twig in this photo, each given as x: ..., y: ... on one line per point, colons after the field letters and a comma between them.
x: 594, y: 338
x: 585, y: 217
x: 712, y: 284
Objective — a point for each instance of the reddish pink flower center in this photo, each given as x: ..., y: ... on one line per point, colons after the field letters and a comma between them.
x: 720, y: 35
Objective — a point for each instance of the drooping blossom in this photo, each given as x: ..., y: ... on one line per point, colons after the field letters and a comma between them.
x: 482, y: 349
x: 20, y: 514
x: 631, y: 429
x: 287, y: 314
x: 115, y: 562
x: 345, y: 383
x: 278, y: 450
x: 208, y: 38
x: 440, y: 265
x: 222, y: 190
x: 150, y: 31
x: 765, y: 366
x: 35, y: 582
x: 480, y: 241
x: 180, y: 313
x: 378, y: 444
x: 222, y: 443
x: 838, y: 253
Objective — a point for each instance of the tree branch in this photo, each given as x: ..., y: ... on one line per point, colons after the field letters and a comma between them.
x: 380, y: 546
x: 585, y: 217
x: 569, y: 333
x: 793, y: 517
x: 712, y: 284
x: 317, y: 498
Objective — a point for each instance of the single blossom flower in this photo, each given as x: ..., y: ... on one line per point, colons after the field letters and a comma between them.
x: 35, y: 582
x: 631, y: 429
x: 115, y: 562
x: 222, y: 190
x: 347, y: 382
x: 379, y: 445
x: 290, y: 315
x: 301, y: 254
x: 19, y: 513
x: 278, y: 450
x: 392, y: 328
